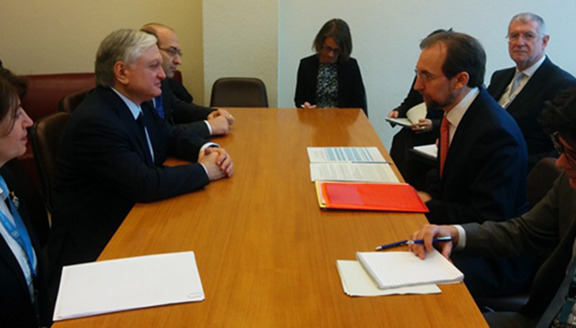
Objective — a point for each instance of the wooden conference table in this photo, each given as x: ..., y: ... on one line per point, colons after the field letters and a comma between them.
x: 265, y: 251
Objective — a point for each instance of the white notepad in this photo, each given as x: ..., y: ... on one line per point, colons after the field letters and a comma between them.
x: 125, y: 284
x: 399, y: 269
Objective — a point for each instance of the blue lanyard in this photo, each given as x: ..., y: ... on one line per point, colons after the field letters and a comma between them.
x: 17, y: 229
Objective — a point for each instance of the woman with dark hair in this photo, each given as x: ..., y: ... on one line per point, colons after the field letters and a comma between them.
x: 331, y: 78
x: 20, y: 255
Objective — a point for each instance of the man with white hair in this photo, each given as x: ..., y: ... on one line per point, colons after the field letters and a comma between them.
x: 523, y: 90
x: 113, y: 148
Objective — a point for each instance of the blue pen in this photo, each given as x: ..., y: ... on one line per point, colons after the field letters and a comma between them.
x: 411, y: 242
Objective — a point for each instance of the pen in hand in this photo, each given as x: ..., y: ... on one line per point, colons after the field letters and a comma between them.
x: 412, y: 242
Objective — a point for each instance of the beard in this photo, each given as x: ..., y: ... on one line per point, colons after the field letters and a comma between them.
x: 432, y: 103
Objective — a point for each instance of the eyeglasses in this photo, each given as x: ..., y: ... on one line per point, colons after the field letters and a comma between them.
x: 173, y: 51
x: 528, y: 36
x: 560, y: 147
x: 425, y: 76
x: 329, y: 49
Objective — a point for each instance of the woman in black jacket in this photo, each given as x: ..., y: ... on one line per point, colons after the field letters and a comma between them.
x: 331, y: 78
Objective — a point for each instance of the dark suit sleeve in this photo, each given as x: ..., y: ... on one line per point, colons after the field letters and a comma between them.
x: 412, y: 99
x: 183, y: 112
x: 303, y: 86
x: 108, y: 151
x: 533, y: 233
x: 358, y: 91
x: 200, y: 128
x: 496, y: 160
x: 180, y: 91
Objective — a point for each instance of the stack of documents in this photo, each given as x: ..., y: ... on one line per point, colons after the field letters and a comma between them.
x: 125, y: 284
x: 365, y: 164
x: 388, y: 273
x: 398, y: 197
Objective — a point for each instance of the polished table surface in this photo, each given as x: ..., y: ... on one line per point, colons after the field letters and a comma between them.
x: 265, y: 251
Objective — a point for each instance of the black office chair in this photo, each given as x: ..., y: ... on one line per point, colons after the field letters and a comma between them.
x: 69, y: 102
x: 239, y: 92
x: 45, y: 135
x: 540, y: 181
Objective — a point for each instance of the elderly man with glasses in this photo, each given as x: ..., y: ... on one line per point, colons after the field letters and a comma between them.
x: 523, y: 90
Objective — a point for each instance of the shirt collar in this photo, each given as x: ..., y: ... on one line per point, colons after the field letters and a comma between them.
x: 134, y: 109
x: 532, y: 69
x: 455, y: 115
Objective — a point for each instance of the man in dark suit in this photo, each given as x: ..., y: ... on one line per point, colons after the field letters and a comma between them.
x: 481, y: 172
x: 204, y: 121
x: 549, y: 228
x: 112, y: 150
x: 522, y: 90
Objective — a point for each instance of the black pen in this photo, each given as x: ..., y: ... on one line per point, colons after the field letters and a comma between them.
x: 412, y: 242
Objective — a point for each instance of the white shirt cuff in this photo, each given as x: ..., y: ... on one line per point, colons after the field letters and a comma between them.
x: 461, y: 238
x: 209, y: 127
x: 205, y: 169
x: 208, y: 145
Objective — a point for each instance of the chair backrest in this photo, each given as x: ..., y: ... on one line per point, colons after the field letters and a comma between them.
x: 45, y: 135
x: 46, y: 90
x: 69, y: 103
x: 541, y: 179
x: 239, y: 92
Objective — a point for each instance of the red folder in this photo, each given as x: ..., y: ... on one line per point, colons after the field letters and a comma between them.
x: 397, y: 197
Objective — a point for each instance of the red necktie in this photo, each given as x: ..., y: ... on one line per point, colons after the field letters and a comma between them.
x: 444, y: 142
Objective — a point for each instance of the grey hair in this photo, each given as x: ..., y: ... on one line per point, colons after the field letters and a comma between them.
x: 530, y: 17
x: 124, y: 45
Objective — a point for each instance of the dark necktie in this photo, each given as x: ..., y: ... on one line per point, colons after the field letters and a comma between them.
x: 142, y: 125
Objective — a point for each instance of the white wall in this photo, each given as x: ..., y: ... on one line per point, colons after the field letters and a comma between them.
x: 386, y: 34
x: 62, y: 36
x: 241, y: 40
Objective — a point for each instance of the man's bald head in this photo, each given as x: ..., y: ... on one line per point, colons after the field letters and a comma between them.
x: 168, y: 44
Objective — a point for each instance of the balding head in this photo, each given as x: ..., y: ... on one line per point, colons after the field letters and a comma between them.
x: 168, y: 44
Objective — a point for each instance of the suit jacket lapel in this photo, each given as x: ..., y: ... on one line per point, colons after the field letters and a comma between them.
x: 500, y: 87
x: 532, y: 87
x: 128, y: 120
x: 462, y: 131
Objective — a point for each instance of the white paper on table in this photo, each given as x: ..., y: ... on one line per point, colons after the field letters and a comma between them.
x: 429, y: 151
x: 413, y: 115
x: 352, y: 172
x: 357, y: 282
x: 344, y: 154
x: 125, y: 284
